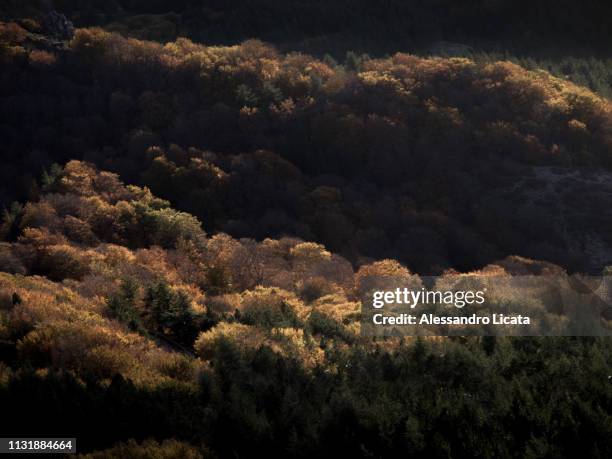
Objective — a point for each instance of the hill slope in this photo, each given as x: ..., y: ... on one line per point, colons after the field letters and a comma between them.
x: 150, y: 329
x: 404, y: 157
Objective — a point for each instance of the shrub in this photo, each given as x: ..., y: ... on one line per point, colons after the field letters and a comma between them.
x: 269, y: 307
x: 312, y: 289
x: 244, y: 337
x: 62, y: 261
x: 9, y: 262
x: 166, y: 227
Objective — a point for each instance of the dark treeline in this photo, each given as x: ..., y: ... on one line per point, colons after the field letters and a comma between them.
x: 378, y: 26
x: 411, y: 401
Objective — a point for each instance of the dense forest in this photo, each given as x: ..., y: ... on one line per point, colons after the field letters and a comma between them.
x: 195, y: 193
x: 404, y: 157
x: 122, y: 320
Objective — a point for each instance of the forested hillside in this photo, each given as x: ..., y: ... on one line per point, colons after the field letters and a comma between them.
x: 405, y: 157
x: 119, y: 315
x: 196, y: 193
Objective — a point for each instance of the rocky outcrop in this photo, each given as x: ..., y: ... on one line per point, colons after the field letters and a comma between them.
x: 58, y: 26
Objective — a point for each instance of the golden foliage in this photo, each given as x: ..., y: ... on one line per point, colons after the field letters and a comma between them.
x: 288, y: 342
x: 63, y: 329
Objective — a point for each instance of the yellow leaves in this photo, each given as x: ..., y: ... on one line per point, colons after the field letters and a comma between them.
x: 244, y: 337
x: 284, y: 109
x: 70, y: 331
x: 42, y: 305
x: 266, y: 305
x: 577, y: 126
x: 401, y: 59
x: 77, y: 178
x: 383, y: 275
x: 386, y: 268
x: 116, y: 255
x: 466, y: 91
x: 374, y: 78
x: 539, y: 87
x: 178, y: 366
x: 310, y: 251
x: 40, y: 214
x: 221, y: 248
x: 288, y: 342
x: 248, y: 111
x: 181, y: 47
x: 319, y: 70
x: 269, y: 69
x: 104, y: 361
x: 40, y: 237
x: 89, y: 37
x: 153, y: 258
x: 413, y: 71
x: 256, y: 49
x: 501, y: 70
x: 525, y: 95
x: 226, y: 303
x: 90, y: 351
x: 294, y: 344
x: 65, y: 261
x: 398, y: 82
x: 338, y: 307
